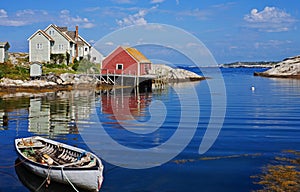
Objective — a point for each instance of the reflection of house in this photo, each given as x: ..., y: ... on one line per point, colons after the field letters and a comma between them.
x: 58, y: 116
x: 124, y: 107
x: 4, y: 46
x: 126, y: 60
x: 39, y: 117
x: 57, y: 40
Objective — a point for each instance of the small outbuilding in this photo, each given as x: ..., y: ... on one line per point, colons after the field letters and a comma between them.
x: 95, y: 56
x: 35, y: 70
x: 4, y: 46
x: 126, y: 60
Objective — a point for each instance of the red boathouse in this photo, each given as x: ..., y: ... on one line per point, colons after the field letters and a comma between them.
x: 127, y: 61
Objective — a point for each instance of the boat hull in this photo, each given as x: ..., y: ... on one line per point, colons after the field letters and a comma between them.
x: 89, y: 179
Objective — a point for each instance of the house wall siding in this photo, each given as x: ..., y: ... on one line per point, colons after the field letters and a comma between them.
x: 39, y: 53
x: 2, y: 54
x: 96, y: 56
x: 83, y: 51
x: 61, y: 44
x: 119, y: 56
x: 145, y: 68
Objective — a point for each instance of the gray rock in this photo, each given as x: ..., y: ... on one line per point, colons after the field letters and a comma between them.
x: 174, y: 74
x: 289, y: 67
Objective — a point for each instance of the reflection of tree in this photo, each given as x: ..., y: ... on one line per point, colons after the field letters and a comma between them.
x: 11, y: 106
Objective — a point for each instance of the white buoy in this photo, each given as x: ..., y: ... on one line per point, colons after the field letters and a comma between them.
x: 253, y: 88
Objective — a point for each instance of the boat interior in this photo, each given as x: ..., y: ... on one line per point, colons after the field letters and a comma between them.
x: 46, y: 153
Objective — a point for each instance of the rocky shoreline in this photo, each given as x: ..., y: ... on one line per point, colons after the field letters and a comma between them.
x: 175, y: 74
x: 288, y: 68
x: 67, y: 81
x: 48, y: 83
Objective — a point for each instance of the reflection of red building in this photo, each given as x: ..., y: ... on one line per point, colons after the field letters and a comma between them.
x: 126, y: 60
x: 125, y: 107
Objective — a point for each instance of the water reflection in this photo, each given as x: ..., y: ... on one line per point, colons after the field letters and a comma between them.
x: 59, y: 113
x: 123, y: 105
x: 49, y: 113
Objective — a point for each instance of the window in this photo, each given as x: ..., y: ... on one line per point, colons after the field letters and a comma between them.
x: 119, y: 67
x: 51, y: 32
x: 39, y: 46
x: 86, y: 49
x: 94, y: 58
x: 60, y: 47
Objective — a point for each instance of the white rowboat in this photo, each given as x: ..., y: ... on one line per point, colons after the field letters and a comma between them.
x: 61, y: 162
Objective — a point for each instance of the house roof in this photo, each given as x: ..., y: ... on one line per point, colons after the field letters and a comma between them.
x: 43, y: 33
x: 136, y: 54
x: 80, y: 41
x: 61, y: 31
x: 3, y: 44
x: 69, y: 35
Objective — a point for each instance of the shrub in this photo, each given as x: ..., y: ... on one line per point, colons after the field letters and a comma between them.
x: 57, y: 58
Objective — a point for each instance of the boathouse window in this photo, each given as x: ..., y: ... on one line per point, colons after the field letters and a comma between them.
x: 119, y: 66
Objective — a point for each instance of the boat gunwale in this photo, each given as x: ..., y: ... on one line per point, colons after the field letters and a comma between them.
x: 58, y: 167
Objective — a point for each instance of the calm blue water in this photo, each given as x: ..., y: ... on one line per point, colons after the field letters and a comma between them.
x: 258, y: 126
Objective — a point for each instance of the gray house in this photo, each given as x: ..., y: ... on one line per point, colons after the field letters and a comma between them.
x: 96, y: 56
x: 4, y: 46
x: 57, y: 40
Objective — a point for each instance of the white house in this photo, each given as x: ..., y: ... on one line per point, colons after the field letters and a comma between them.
x: 57, y: 40
x: 4, y: 46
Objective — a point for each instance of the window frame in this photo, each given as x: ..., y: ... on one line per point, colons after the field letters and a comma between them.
x: 39, y: 46
x: 119, y: 64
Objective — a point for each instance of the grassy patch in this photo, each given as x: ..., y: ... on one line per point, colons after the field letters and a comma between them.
x: 14, y: 71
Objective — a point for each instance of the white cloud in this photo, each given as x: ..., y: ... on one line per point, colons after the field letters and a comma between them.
x: 109, y: 43
x: 67, y: 19
x: 65, y: 12
x: 20, y: 18
x: 270, y: 44
x: 122, y: 1
x: 29, y: 16
x: 92, y: 9
x: 135, y: 19
x: 3, y: 13
x: 25, y: 13
x: 271, y: 19
x: 156, y: 1
x: 199, y: 14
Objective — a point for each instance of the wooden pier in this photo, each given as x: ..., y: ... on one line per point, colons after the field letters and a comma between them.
x: 144, y: 82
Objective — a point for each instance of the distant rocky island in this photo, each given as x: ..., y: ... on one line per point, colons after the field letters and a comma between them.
x: 287, y: 68
x: 259, y: 64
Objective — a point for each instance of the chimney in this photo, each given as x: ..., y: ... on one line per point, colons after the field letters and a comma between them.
x: 76, y: 41
x: 76, y: 33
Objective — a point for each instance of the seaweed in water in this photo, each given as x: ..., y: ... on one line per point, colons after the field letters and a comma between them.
x: 283, y: 175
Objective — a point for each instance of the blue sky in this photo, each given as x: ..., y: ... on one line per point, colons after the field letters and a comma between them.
x: 243, y: 30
